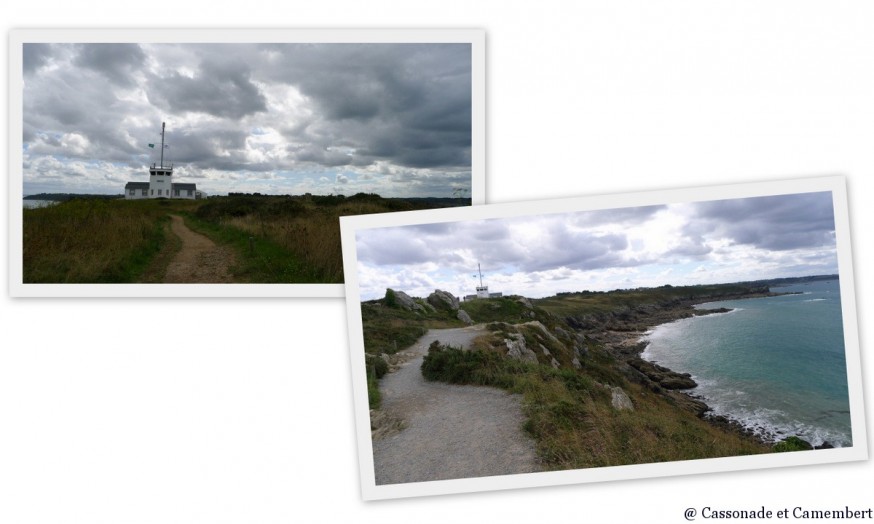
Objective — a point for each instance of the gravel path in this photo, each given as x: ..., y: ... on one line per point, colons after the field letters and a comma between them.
x: 450, y: 431
x: 200, y: 260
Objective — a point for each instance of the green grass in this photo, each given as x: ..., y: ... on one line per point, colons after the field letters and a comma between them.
x: 503, y: 309
x: 259, y: 259
x: 98, y: 240
x: 306, y: 226
x: 388, y: 330
x: 603, y: 302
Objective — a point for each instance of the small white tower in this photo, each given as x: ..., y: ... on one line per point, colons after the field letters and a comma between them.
x: 481, y: 290
x: 160, y: 177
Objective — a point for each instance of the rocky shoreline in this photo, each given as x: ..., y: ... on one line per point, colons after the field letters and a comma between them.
x: 622, y: 334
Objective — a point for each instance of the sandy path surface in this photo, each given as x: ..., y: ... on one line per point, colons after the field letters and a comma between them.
x: 200, y: 260
x: 451, y: 431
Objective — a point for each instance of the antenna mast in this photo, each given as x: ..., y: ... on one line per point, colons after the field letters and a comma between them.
x: 480, y: 271
x: 162, y: 145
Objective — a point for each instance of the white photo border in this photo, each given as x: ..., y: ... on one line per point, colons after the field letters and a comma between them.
x: 18, y: 37
x: 349, y: 226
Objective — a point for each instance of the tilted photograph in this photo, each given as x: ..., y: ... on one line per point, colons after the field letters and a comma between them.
x: 581, y: 337
x: 162, y: 162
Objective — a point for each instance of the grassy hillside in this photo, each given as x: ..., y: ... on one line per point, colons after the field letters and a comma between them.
x: 572, y: 383
x: 277, y: 239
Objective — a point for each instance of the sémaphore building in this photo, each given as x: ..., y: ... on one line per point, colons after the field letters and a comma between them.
x: 160, y: 184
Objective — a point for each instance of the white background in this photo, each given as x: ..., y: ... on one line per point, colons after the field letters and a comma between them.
x: 241, y: 411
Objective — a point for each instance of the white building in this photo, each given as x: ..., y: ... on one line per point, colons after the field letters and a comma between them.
x: 482, y: 291
x: 160, y: 184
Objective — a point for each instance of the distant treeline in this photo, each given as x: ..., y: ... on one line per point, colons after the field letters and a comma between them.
x: 328, y: 200
x: 63, y: 197
x: 775, y: 282
x: 726, y: 288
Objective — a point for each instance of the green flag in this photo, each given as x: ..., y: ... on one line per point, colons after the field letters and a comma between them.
x: 152, y: 146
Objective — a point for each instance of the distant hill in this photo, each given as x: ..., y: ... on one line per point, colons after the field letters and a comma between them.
x: 776, y: 282
x: 63, y: 197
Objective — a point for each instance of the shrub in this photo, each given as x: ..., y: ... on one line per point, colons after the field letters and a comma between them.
x: 391, y: 300
x: 792, y: 443
x: 453, y: 365
x: 375, y: 365
x: 374, y: 397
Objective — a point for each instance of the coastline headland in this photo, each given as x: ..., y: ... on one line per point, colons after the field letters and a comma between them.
x: 623, y: 334
x: 591, y: 398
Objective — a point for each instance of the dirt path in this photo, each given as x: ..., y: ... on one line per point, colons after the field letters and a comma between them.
x: 200, y: 261
x: 450, y: 431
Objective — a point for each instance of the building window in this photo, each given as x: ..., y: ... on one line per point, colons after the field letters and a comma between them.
x: 133, y: 192
x: 190, y: 192
x: 175, y: 192
x: 145, y: 192
x: 152, y: 192
x: 159, y: 192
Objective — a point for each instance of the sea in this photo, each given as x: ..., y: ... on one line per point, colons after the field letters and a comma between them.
x: 29, y: 204
x: 776, y: 364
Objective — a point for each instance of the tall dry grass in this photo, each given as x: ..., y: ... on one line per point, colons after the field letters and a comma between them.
x: 312, y: 235
x: 91, y: 241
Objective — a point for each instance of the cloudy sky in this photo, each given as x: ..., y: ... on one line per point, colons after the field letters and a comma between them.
x: 393, y: 119
x: 536, y: 256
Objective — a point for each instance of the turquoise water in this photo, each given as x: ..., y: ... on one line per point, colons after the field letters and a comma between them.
x: 775, y: 364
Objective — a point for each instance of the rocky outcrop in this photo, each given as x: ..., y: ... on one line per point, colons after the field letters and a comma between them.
x: 663, y: 376
x: 443, y: 300
x: 537, y: 325
x: 525, y: 302
x: 620, y: 400
x: 464, y: 317
x: 516, y: 348
x: 403, y: 301
x: 688, y: 403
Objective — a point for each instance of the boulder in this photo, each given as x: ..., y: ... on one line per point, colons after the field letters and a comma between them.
x: 464, y: 317
x: 402, y: 300
x: 525, y: 302
x: 620, y: 400
x: 443, y: 300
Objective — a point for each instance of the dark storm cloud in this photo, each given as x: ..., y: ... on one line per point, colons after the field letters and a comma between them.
x: 491, y: 231
x: 117, y: 62
x: 409, y: 104
x: 209, y: 147
x: 223, y: 90
x: 691, y: 248
x: 397, y: 115
x: 561, y: 247
x: 494, y: 244
x: 775, y: 223
x: 627, y: 215
x: 35, y: 56
x: 431, y: 231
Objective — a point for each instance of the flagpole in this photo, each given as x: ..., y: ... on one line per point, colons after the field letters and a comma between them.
x: 162, y: 145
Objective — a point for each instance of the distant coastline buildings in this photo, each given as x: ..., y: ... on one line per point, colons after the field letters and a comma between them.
x: 160, y: 184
